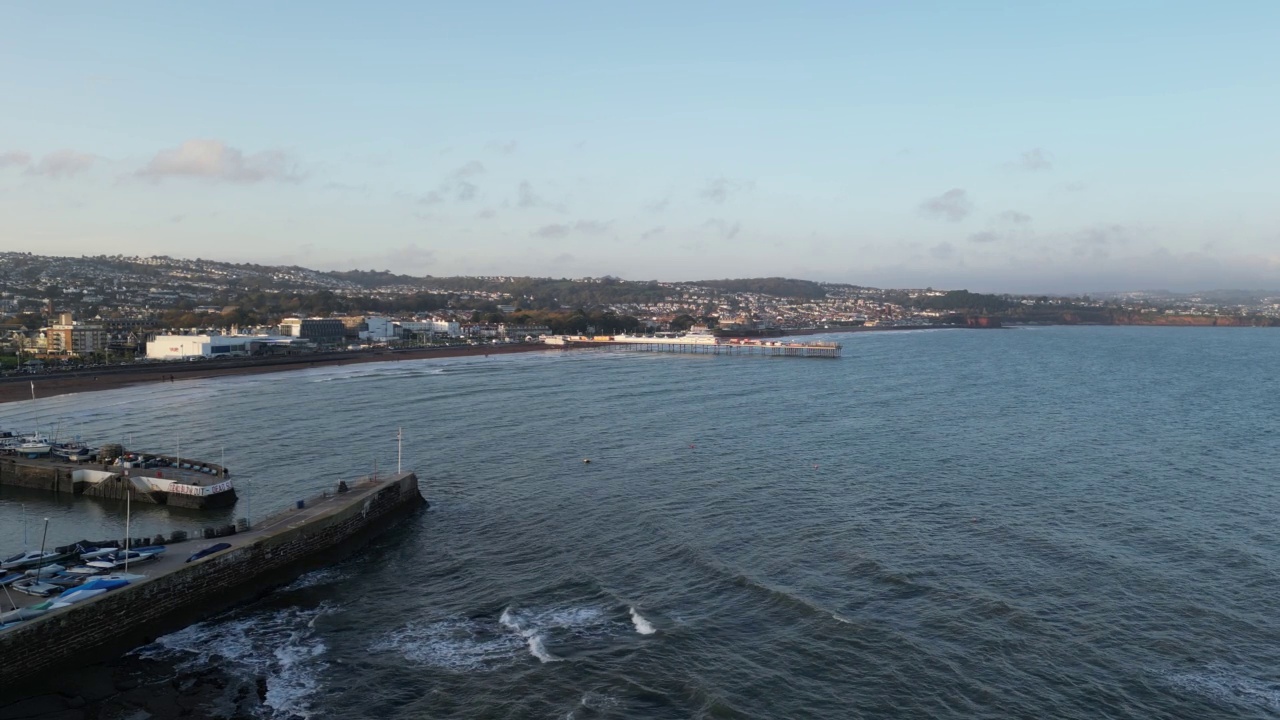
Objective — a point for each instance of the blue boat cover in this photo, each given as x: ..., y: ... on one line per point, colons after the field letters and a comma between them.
x: 103, y: 584
x: 209, y: 551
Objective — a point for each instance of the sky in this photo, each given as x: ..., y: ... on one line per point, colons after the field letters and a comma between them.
x: 999, y: 147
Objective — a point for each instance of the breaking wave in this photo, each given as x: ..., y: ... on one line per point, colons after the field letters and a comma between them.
x: 643, y: 626
x: 280, y: 646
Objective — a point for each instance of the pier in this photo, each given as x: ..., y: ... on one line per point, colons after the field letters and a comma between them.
x: 174, y: 593
x: 708, y: 345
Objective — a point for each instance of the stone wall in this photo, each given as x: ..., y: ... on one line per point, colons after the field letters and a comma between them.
x: 115, y: 622
x: 35, y: 477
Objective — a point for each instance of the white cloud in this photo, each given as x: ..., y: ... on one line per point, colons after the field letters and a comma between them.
x: 1033, y: 160
x: 1013, y: 217
x: 953, y: 205
x: 14, y: 159
x: 526, y: 197
x: 556, y: 231
x: 718, y: 190
x: 506, y: 148
x: 728, y: 230
x: 216, y: 161
x: 59, y: 165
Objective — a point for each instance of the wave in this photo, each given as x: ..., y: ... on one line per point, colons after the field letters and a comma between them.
x: 643, y: 626
x: 452, y: 644
x: 1227, y: 686
x: 281, y: 646
x: 323, y: 576
x: 481, y: 644
x: 537, y: 647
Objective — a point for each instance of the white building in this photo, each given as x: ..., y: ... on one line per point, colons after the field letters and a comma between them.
x: 430, y: 327
x: 181, y: 347
x: 378, y: 329
x: 446, y: 327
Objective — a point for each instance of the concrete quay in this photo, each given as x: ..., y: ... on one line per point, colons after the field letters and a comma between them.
x: 175, y: 593
x: 53, y: 474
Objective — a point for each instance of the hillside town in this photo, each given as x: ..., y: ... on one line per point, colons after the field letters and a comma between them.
x: 59, y: 311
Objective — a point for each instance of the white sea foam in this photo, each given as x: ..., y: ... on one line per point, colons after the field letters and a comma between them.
x: 537, y: 647
x: 479, y: 644
x: 452, y: 644
x: 539, y: 650
x: 280, y: 645
x: 1228, y: 686
x: 841, y: 619
x: 643, y: 626
x: 323, y: 576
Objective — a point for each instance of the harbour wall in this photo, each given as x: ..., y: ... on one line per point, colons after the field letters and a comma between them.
x: 103, y: 627
x: 50, y: 478
x: 62, y: 478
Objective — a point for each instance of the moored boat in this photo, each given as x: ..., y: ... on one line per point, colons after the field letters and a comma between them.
x: 44, y: 570
x: 31, y: 558
x: 120, y: 559
x: 205, y: 552
x: 37, y: 588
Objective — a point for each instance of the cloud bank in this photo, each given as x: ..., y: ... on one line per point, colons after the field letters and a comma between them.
x: 215, y: 161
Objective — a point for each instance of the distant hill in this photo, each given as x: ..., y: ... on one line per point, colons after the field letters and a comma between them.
x: 775, y: 286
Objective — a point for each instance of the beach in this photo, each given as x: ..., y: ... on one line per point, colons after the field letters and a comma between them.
x: 20, y: 387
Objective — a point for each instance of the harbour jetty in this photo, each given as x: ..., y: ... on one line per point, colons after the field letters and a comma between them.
x: 113, y: 474
x: 176, y: 592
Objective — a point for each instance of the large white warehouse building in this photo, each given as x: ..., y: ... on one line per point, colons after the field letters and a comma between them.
x: 181, y: 347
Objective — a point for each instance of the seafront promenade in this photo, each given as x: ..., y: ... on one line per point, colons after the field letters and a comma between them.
x: 15, y: 388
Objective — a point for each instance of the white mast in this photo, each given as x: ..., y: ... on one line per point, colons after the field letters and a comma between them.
x: 44, y: 537
x: 127, y: 514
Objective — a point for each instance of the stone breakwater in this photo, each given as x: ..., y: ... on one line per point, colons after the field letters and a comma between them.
x: 175, y: 595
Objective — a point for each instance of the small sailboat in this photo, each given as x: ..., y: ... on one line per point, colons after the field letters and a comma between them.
x: 96, y: 553
x: 128, y: 577
x: 121, y: 559
x: 71, y: 597
x: 21, y: 614
x: 11, y: 578
x: 155, y: 550
x: 37, y: 588
x: 90, y: 589
x: 31, y: 558
x: 44, y: 570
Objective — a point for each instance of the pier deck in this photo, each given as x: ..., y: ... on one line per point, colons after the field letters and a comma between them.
x: 761, y: 348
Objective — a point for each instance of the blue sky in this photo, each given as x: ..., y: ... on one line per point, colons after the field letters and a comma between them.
x: 1032, y: 147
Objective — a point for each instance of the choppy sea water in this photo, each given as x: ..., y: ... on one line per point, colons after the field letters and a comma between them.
x: 1048, y: 522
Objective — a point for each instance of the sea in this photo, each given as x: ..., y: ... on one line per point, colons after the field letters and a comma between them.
x: 1065, y: 522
